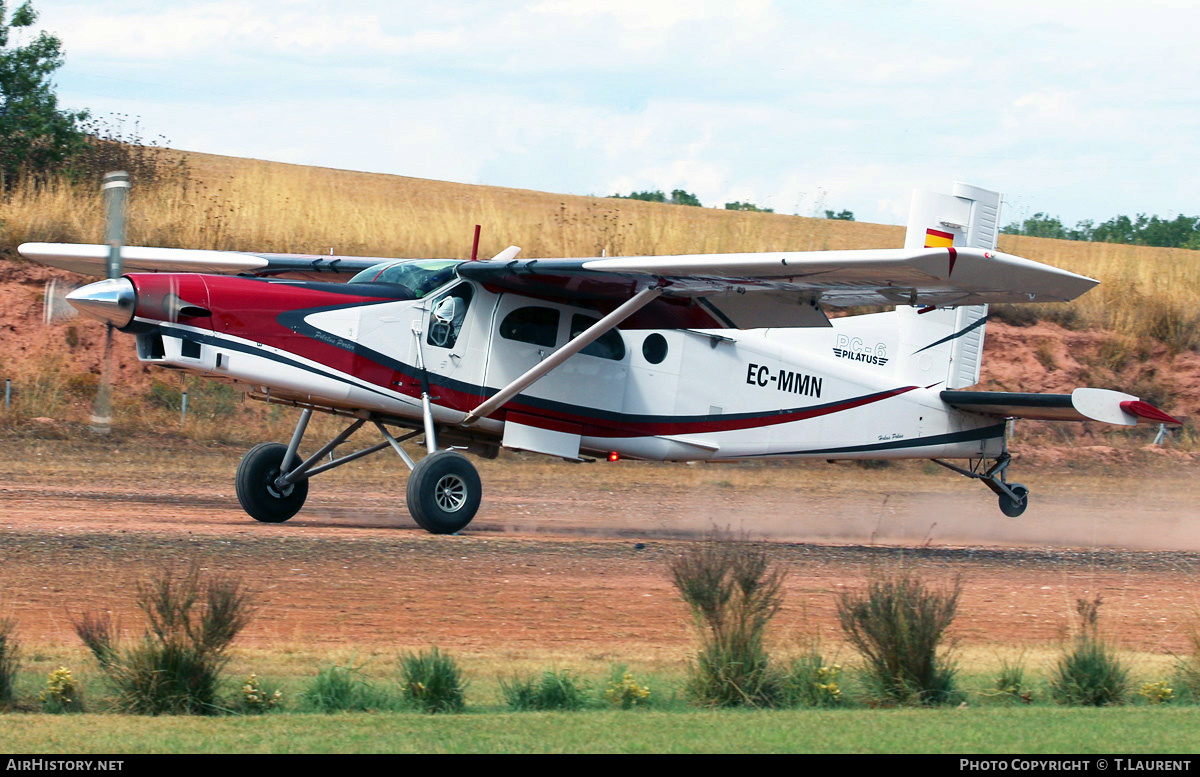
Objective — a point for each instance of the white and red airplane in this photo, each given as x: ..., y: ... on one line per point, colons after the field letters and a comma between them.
x: 717, y: 357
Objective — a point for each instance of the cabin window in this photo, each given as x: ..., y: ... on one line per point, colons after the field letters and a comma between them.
x: 654, y: 348
x: 447, y: 316
x: 608, y: 346
x: 538, y: 326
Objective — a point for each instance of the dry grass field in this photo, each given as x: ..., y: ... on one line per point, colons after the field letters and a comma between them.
x: 1138, y: 331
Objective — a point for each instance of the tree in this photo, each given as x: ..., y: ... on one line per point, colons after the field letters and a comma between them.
x: 680, y: 197
x: 35, y: 136
x: 843, y: 215
x: 646, y: 196
x: 1038, y: 225
x: 749, y: 206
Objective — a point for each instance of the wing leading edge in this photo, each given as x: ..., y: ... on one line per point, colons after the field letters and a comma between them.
x: 747, y: 291
x: 90, y: 259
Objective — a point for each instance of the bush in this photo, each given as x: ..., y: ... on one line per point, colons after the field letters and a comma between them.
x: 258, y: 697
x: 1010, y: 682
x: 432, y: 682
x: 1159, y: 692
x: 1089, y: 674
x: 898, y: 624
x: 1187, y: 671
x: 345, y: 689
x: 554, y: 690
x: 10, y: 661
x: 733, y: 591
x: 811, y: 681
x: 624, y: 692
x: 62, y: 693
x: 176, y: 667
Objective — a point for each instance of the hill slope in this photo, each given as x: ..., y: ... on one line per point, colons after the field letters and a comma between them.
x: 1138, y: 331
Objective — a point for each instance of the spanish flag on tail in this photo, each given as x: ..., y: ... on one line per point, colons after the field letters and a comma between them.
x: 935, y: 238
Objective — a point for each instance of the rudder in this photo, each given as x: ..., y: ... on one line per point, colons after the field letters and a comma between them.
x: 946, y: 345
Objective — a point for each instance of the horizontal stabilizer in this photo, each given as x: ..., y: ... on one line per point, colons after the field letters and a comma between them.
x: 1082, y: 404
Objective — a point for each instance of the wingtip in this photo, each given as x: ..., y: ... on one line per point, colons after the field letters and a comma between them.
x: 1140, y: 409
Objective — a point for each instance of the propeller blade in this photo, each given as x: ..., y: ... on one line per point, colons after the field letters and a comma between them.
x: 114, y: 187
x: 56, y: 308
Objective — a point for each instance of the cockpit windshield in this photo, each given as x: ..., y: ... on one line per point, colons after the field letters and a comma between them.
x: 419, y: 276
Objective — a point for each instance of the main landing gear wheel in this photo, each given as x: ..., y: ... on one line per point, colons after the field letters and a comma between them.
x: 443, y: 492
x: 1014, y: 507
x: 256, y: 489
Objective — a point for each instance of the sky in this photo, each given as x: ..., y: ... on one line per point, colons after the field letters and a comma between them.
x: 1083, y: 110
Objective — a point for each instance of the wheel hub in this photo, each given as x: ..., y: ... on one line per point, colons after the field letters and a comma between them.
x: 278, y: 493
x: 450, y: 493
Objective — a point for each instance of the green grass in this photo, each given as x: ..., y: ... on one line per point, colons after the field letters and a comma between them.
x: 1143, y: 730
x: 553, y: 690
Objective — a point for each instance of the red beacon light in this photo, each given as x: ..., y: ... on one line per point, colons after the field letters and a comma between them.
x: 614, y: 456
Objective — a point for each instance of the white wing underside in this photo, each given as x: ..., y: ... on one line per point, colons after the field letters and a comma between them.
x: 926, y: 276
x: 91, y: 259
x: 743, y: 291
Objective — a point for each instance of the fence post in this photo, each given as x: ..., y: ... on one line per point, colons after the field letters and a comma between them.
x: 7, y: 393
x: 183, y: 408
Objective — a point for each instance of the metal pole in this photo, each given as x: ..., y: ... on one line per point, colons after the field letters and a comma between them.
x: 7, y: 393
x: 183, y: 408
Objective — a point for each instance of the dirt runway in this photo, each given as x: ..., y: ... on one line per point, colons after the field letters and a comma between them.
x: 572, y: 560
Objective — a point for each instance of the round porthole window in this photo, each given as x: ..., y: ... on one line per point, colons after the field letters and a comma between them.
x: 654, y: 348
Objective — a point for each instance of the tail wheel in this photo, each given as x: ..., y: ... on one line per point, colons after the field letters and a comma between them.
x: 256, y: 490
x: 1014, y: 507
x: 443, y: 492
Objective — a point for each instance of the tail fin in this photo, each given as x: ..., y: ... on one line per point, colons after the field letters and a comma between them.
x: 946, y: 345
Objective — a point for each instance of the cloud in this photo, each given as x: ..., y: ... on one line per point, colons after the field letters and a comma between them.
x: 777, y: 103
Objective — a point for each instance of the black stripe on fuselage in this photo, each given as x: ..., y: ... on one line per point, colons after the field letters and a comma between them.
x: 233, y: 345
x: 982, y: 433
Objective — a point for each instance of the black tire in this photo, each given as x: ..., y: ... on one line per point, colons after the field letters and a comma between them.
x: 443, y: 492
x: 1013, y: 508
x: 256, y: 485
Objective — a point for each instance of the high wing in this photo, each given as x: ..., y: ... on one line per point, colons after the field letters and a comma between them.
x: 748, y: 291
x: 91, y: 260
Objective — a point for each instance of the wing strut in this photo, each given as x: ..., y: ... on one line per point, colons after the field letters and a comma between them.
x: 585, y: 338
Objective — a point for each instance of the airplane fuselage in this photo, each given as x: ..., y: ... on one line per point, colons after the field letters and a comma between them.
x: 848, y: 391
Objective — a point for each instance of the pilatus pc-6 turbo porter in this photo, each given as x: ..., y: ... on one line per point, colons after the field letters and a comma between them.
x: 719, y: 357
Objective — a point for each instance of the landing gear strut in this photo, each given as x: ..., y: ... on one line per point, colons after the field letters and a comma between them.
x: 1014, y: 497
x: 443, y: 491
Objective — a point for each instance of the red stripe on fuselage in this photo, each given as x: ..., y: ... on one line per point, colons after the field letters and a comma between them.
x: 250, y: 309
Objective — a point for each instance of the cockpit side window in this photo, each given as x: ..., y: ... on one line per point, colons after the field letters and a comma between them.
x: 447, y: 315
x: 535, y: 325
